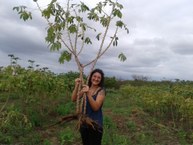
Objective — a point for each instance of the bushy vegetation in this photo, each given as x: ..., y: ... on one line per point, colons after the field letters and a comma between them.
x: 135, y: 112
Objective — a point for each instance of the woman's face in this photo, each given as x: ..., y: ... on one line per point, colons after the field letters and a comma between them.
x: 96, y: 79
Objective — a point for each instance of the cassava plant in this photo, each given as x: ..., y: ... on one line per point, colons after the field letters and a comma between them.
x: 70, y: 29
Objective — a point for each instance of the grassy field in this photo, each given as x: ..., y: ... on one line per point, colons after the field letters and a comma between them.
x: 125, y: 123
x: 137, y: 113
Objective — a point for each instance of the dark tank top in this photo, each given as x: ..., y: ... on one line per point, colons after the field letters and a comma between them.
x: 94, y: 115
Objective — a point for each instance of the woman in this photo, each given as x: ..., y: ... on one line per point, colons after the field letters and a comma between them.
x: 95, y: 96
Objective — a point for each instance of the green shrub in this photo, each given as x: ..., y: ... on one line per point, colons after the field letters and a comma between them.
x: 66, y: 136
x: 5, y: 139
x: 14, y: 123
x: 47, y: 142
x: 35, y: 117
x: 131, y: 125
x: 64, y: 109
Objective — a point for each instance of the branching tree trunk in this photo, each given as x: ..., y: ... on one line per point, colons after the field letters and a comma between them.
x: 69, y: 32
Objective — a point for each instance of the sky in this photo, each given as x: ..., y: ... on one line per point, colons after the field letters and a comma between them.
x: 159, y: 44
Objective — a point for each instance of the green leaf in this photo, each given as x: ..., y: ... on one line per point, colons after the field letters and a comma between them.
x: 119, y: 5
x: 72, y: 28
x: 83, y: 26
x: 117, y: 13
x: 79, y: 19
x: 115, y: 42
x: 65, y: 55
x: 122, y: 57
x: 70, y: 19
x: 16, y: 8
x: 98, y: 36
x: 119, y: 24
x: 25, y: 15
x: 84, y: 7
x: 99, y: 7
x: 104, y: 21
x: 50, y: 35
x: 48, y: 11
x: 87, y: 40
x: 55, y: 46
x: 93, y: 16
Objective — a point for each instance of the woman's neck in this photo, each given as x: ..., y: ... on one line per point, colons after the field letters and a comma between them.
x: 94, y: 87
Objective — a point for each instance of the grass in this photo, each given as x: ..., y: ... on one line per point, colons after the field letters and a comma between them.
x: 125, y: 123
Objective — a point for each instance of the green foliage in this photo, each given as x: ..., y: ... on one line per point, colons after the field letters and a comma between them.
x: 14, y: 123
x: 168, y: 103
x: 73, y: 20
x: 25, y: 15
x: 111, y: 135
x: 5, y: 139
x: 36, y: 118
x: 131, y: 125
x: 65, y: 109
x: 47, y: 142
x: 134, y: 113
x: 122, y: 57
x: 108, y: 123
x: 65, y: 55
x: 66, y: 136
x: 182, y: 137
x: 142, y: 138
x: 33, y: 138
x: 111, y: 83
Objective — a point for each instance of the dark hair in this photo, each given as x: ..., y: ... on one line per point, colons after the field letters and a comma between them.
x: 101, y: 84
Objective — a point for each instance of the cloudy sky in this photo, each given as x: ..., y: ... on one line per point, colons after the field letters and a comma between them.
x: 159, y: 45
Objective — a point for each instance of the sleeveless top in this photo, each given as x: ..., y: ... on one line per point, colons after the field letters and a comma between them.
x: 94, y: 115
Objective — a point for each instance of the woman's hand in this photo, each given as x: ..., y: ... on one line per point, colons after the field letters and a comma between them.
x: 85, y: 89
x: 77, y: 81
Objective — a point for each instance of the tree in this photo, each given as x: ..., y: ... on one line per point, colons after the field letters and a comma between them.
x: 70, y: 28
x: 140, y: 78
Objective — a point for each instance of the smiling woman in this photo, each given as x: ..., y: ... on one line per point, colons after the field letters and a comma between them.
x: 95, y: 96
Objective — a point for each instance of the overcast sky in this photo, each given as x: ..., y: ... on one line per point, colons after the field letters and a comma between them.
x: 159, y: 45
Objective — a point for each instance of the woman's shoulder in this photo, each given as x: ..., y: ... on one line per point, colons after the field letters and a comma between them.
x: 101, y: 91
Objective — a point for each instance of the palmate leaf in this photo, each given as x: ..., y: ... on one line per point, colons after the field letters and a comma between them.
x: 117, y: 13
x: 65, y: 56
x: 25, y: 15
x: 93, y: 16
x: 46, y: 13
x: 119, y: 5
x: 87, y: 40
x: 55, y: 46
x: 122, y: 57
x: 98, y: 36
x: 115, y: 42
x: 70, y: 19
x: 84, y: 7
x: 99, y: 7
x: 104, y: 21
x: 50, y: 35
x: 72, y: 28
x: 121, y: 25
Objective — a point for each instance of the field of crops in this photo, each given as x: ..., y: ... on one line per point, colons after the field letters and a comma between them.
x: 135, y: 112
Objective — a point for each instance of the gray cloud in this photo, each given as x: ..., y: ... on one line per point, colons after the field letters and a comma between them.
x: 159, y: 44
x: 183, y: 48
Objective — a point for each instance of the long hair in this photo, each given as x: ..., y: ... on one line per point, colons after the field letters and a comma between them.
x: 101, y: 84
